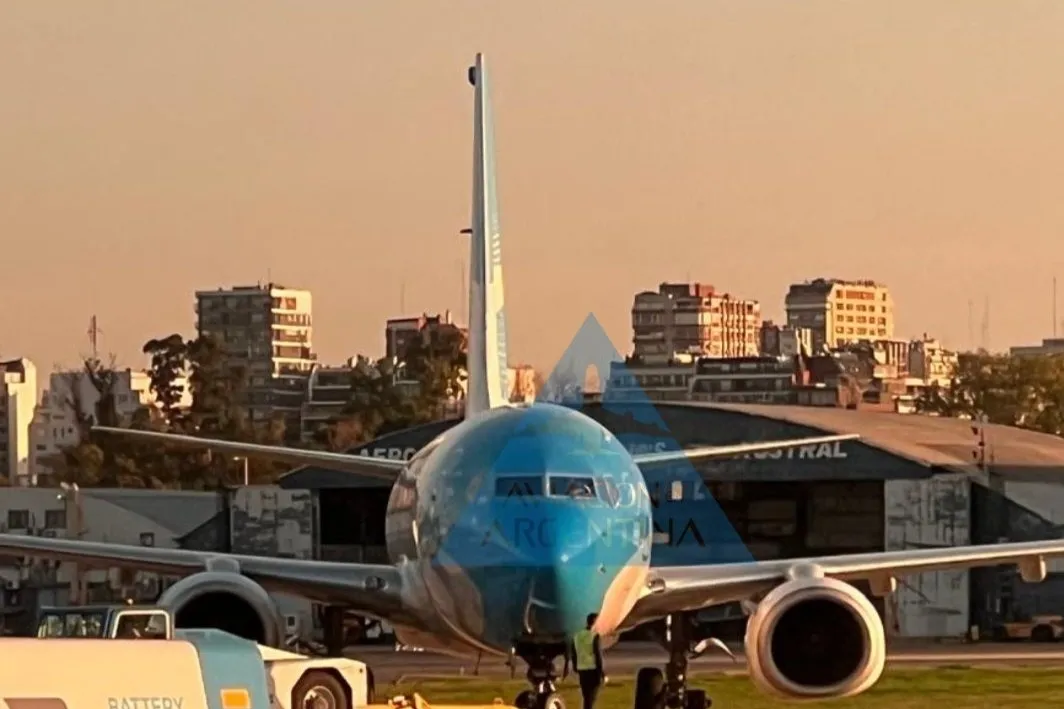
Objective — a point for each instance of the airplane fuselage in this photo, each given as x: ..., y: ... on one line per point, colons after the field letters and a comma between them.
x: 514, y: 526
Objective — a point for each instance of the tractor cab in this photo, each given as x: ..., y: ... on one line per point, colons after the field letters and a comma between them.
x: 117, y: 621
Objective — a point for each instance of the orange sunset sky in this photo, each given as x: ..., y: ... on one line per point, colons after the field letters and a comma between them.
x: 149, y: 149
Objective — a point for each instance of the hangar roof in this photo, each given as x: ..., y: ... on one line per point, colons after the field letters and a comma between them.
x: 177, y: 510
x: 941, y: 444
x: 931, y: 440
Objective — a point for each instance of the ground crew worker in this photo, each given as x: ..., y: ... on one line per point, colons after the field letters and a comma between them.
x: 586, y: 651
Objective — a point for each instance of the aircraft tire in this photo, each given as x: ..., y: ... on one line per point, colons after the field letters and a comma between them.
x: 649, y: 688
x: 550, y: 701
x: 525, y: 700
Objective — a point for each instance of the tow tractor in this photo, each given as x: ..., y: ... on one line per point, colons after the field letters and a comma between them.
x: 131, y: 657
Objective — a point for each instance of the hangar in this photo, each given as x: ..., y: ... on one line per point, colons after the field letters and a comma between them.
x: 911, y: 481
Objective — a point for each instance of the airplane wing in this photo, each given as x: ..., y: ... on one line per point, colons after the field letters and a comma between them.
x: 673, y: 589
x: 384, y: 468
x: 374, y: 589
x: 701, y: 452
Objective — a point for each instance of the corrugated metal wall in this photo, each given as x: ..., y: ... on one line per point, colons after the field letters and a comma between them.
x: 919, y: 514
x: 268, y: 521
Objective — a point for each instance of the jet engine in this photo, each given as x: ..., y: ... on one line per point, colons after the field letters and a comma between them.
x: 225, y: 601
x: 815, y: 638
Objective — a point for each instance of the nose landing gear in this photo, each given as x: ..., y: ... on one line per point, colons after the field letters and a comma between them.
x: 655, y: 689
x: 541, y: 675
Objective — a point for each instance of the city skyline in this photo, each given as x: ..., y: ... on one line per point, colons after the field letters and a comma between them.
x: 151, y: 153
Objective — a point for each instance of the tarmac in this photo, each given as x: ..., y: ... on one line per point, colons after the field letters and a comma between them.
x: 390, y: 666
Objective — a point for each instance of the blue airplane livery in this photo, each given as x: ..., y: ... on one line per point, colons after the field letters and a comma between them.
x: 507, y: 530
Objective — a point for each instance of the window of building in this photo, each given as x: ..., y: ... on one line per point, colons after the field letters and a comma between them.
x: 18, y: 519
x: 55, y: 519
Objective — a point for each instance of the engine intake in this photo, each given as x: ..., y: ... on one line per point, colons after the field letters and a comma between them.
x: 815, y: 638
x: 225, y: 601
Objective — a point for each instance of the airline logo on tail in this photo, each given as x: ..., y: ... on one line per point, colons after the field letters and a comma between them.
x: 488, y: 381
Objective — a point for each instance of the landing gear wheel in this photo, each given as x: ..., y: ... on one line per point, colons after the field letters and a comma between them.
x: 525, y: 700
x: 319, y: 690
x: 649, y: 688
x: 550, y: 701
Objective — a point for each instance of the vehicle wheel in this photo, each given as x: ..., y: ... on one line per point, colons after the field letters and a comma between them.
x: 525, y: 700
x: 1042, y: 634
x: 550, y: 701
x: 649, y: 688
x: 319, y: 690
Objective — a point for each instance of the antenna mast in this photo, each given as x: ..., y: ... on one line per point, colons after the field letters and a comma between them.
x: 971, y: 324
x: 984, y: 335
x: 94, y: 337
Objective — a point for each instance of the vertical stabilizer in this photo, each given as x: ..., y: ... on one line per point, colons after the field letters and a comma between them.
x: 487, y: 386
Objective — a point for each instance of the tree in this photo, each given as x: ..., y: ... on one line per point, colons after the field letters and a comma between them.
x: 1015, y: 391
x: 169, y: 359
x: 389, y: 395
x: 96, y: 459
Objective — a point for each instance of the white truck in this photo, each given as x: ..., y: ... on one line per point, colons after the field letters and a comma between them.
x: 130, y: 657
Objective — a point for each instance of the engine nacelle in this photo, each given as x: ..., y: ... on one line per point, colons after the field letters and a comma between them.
x: 815, y: 638
x: 225, y: 601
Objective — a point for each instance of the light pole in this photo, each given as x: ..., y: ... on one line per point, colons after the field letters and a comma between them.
x: 245, y: 459
x: 71, y: 495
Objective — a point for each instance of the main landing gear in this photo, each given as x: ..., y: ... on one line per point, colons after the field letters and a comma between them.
x: 540, y: 659
x: 655, y: 689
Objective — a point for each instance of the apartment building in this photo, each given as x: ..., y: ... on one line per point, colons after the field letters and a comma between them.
x: 399, y: 332
x: 695, y: 319
x: 747, y: 380
x: 840, y: 311
x: 931, y: 362
x: 327, y: 393
x: 637, y: 380
x: 1049, y: 346
x: 784, y: 340
x: 523, y: 383
x: 70, y: 393
x: 18, y: 402
x: 267, y: 329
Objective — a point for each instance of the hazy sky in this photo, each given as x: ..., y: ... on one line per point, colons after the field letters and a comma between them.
x: 148, y: 149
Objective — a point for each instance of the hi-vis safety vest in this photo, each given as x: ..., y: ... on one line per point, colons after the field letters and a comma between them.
x: 584, y: 645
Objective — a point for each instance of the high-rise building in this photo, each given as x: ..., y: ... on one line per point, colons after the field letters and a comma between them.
x: 267, y: 329
x: 838, y: 311
x: 399, y: 332
x: 18, y: 403
x: 695, y: 319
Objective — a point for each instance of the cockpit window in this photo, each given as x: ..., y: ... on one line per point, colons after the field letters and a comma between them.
x: 524, y: 486
x: 572, y: 486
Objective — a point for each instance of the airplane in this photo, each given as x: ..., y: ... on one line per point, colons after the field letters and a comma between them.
x: 453, y: 586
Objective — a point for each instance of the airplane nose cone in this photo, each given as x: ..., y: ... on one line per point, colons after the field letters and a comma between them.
x: 580, y: 559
